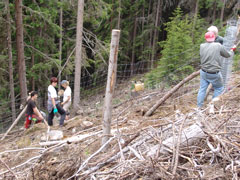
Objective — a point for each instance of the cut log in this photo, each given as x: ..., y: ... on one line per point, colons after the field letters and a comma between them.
x: 188, y: 136
x: 77, y: 138
x: 170, y: 93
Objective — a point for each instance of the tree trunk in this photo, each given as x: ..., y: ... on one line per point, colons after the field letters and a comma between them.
x: 20, y: 51
x: 9, y: 44
x: 143, y: 19
x: 33, y: 80
x: 187, y: 137
x: 32, y: 64
x: 78, y: 58
x: 150, y: 34
x: 60, y: 40
x: 112, y: 73
x: 119, y: 14
x: 214, y: 11
x: 222, y: 12
x: 155, y: 35
x: 170, y: 93
x: 195, y: 18
x: 133, y: 45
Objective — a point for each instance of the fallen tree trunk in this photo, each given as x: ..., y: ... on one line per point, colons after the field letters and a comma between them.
x: 187, y: 137
x: 76, y: 138
x: 170, y: 93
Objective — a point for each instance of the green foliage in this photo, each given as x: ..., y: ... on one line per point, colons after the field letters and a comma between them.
x: 179, y: 51
x: 178, y: 54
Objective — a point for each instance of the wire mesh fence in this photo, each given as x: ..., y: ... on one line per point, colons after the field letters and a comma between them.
x: 229, y: 40
x: 93, y: 85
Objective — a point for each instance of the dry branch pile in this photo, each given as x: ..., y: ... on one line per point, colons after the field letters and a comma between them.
x: 178, y: 144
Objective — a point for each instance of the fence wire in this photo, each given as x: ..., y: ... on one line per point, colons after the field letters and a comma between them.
x: 229, y: 40
x: 93, y: 86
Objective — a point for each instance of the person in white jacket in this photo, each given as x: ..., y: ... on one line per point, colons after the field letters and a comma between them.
x: 67, y: 97
x: 54, y: 104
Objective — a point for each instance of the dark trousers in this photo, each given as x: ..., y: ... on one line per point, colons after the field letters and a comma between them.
x: 60, y: 111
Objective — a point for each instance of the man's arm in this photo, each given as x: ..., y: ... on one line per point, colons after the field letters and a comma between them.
x: 36, y: 111
x: 225, y: 53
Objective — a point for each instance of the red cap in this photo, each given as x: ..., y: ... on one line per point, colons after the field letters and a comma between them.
x: 210, y: 37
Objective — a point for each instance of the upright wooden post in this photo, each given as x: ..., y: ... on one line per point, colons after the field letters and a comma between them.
x: 112, y: 73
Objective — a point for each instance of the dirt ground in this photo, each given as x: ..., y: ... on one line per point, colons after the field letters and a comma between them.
x: 61, y: 162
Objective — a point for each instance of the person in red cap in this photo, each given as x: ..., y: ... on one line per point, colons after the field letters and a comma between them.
x: 218, y: 38
x: 211, y: 64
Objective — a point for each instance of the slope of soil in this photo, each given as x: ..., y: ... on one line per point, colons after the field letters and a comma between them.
x: 133, y: 137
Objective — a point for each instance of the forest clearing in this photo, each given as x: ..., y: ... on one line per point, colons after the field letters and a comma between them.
x: 136, y: 151
x: 133, y: 89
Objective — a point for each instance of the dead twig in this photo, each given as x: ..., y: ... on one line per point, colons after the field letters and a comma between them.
x: 8, y: 168
x: 177, y: 148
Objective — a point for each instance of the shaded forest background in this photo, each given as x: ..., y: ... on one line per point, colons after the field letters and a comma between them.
x: 164, y: 34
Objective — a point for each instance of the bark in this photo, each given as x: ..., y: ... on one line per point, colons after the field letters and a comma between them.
x: 170, y: 93
x: 33, y: 62
x: 60, y: 40
x: 222, y: 12
x: 150, y: 34
x: 214, y: 11
x: 112, y: 73
x: 155, y: 35
x: 189, y: 135
x: 133, y: 45
x: 9, y: 44
x: 195, y: 18
x: 20, y: 51
x: 78, y: 58
x: 143, y: 19
x: 119, y: 15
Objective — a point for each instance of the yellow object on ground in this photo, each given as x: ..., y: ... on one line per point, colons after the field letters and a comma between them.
x: 139, y: 86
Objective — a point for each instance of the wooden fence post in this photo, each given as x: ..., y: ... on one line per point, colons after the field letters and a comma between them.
x: 111, y: 80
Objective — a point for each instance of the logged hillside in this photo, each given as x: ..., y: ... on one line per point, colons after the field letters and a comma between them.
x: 157, y: 44
x: 139, y: 145
x: 39, y: 41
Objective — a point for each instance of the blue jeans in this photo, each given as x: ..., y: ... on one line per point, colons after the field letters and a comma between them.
x: 205, y: 79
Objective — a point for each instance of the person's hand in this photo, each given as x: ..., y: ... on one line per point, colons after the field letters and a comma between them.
x: 233, y: 49
x: 62, y: 103
x: 55, y: 110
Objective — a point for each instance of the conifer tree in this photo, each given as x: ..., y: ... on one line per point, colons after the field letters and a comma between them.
x: 178, y: 50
